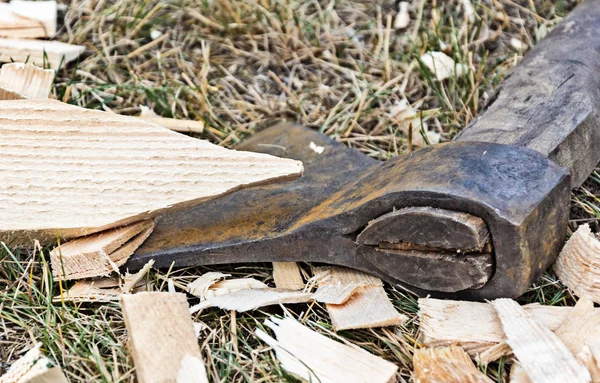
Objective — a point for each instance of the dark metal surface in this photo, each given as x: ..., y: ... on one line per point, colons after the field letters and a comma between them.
x: 520, y: 194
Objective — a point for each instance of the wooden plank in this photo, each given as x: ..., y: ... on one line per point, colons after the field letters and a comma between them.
x: 27, y: 80
x: 445, y: 365
x: 252, y: 299
x: 368, y: 307
x: 174, y: 124
x: 33, y: 367
x: 540, y: 352
x: 28, y: 19
x: 161, y: 338
x: 98, y: 254
x: 71, y: 171
x: 581, y: 326
x: 475, y: 326
x: 287, y: 276
x: 316, y: 358
x: 578, y: 265
x: 38, y: 52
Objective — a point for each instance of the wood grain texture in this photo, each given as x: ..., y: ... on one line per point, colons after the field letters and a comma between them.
x: 578, y: 264
x: 580, y: 327
x: 540, y: 352
x: 70, y: 171
x: 28, y: 19
x: 38, y: 52
x: 27, y: 80
x: 316, y: 358
x: 445, y: 365
x: 287, y: 276
x: 161, y: 336
x: 33, y: 367
x: 252, y: 299
x: 367, y: 308
x: 98, y: 254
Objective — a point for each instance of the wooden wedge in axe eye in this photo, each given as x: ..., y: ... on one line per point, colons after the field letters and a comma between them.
x: 477, y: 218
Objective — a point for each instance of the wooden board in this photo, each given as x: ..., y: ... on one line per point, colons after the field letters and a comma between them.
x: 316, y: 358
x: 161, y: 338
x: 287, y: 276
x: 368, y: 307
x: 475, y: 326
x: 578, y: 265
x: 38, y: 52
x: 98, y: 254
x: 252, y: 299
x: 445, y: 365
x: 70, y: 171
x: 28, y: 19
x: 27, y: 80
x: 33, y: 367
x: 540, y: 352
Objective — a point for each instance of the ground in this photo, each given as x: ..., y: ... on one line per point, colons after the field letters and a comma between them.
x: 337, y: 66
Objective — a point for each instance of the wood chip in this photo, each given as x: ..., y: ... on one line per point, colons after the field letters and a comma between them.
x: 72, y: 172
x: 540, y: 352
x: 316, y: 358
x: 200, y: 286
x: 38, y: 52
x: 252, y: 299
x: 442, y: 66
x: 578, y: 265
x: 287, y: 276
x: 27, y: 80
x: 446, y: 365
x: 367, y: 308
x: 475, y: 326
x: 98, y: 254
x: 132, y: 280
x: 402, y: 18
x: 183, y: 126
x: 581, y: 326
x: 6, y: 94
x: 518, y: 374
x: 33, y: 367
x: 589, y: 357
x: 229, y: 285
x: 335, y: 294
x: 162, y: 339
x: 28, y: 19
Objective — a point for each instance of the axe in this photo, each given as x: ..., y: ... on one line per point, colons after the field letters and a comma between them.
x: 477, y: 218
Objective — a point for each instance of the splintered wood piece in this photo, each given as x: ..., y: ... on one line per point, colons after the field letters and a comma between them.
x: 475, y: 326
x: 92, y: 291
x: 335, y: 294
x: 589, y: 357
x: 494, y: 353
x: 229, y: 285
x: 427, y: 226
x: 366, y: 308
x: 316, y: 358
x: 581, y: 326
x: 27, y: 80
x: 7, y: 94
x: 287, y: 276
x: 72, y: 172
x: 200, y: 286
x: 162, y: 339
x: 540, y: 352
x: 33, y: 367
x: 578, y: 265
x: 182, y: 126
x: 132, y: 280
x: 446, y: 365
x: 98, y: 254
x: 252, y: 299
x: 38, y: 52
x: 28, y: 19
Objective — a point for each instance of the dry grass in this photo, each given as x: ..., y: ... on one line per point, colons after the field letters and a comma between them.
x: 337, y: 66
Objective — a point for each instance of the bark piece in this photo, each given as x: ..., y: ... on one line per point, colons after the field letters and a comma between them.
x: 366, y: 308
x: 200, y: 286
x: 475, y: 326
x: 182, y: 126
x: 98, y: 254
x: 252, y: 299
x: 72, y: 172
x: 162, y: 339
x: 33, y: 367
x: 316, y: 358
x: 287, y: 276
x: 27, y: 80
x: 540, y: 352
x: 578, y: 265
x: 581, y: 326
x: 28, y: 19
x: 446, y: 365
x: 38, y: 52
